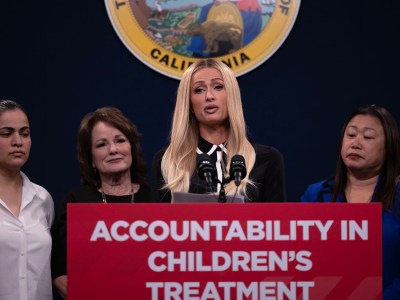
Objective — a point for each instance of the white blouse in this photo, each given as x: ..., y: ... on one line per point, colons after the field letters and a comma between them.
x: 25, y: 246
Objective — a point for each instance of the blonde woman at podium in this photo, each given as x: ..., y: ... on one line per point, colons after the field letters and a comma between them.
x: 208, y: 119
x: 112, y: 171
x: 368, y: 170
x: 26, y: 214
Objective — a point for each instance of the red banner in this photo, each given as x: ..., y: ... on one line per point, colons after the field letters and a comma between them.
x: 225, y: 251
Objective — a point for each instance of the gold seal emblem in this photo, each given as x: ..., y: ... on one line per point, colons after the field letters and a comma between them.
x: 169, y: 35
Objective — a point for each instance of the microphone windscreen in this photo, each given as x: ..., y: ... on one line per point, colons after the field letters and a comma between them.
x: 205, y: 167
x: 238, y: 165
x: 237, y: 169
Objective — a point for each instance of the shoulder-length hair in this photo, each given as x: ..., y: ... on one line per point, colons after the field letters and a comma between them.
x: 179, y: 160
x: 115, y: 118
x: 386, y: 190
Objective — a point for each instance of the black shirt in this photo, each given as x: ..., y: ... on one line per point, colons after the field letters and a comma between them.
x: 83, y: 194
x: 267, y: 174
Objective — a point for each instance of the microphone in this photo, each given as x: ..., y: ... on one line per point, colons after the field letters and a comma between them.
x: 237, y: 170
x: 206, y: 168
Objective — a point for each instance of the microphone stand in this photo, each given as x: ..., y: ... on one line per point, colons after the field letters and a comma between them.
x: 222, y: 195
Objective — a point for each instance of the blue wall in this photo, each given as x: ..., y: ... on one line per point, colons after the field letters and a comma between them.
x: 62, y: 59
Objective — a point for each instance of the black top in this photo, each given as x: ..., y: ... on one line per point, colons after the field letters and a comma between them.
x: 267, y: 174
x: 83, y: 194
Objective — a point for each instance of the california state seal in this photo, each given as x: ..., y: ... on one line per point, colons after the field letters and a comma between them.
x: 169, y: 35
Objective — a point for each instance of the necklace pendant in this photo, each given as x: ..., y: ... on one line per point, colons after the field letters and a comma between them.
x: 103, y: 196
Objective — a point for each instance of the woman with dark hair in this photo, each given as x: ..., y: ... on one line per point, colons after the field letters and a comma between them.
x: 368, y: 169
x: 112, y: 171
x: 26, y: 214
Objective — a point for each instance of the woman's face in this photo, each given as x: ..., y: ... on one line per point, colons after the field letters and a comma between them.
x: 208, y: 98
x: 363, y: 147
x: 15, y: 139
x: 111, y: 150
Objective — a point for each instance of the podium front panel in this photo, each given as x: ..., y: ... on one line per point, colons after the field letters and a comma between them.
x: 225, y: 251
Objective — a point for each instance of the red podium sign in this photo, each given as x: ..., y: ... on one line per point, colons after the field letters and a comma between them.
x: 225, y: 251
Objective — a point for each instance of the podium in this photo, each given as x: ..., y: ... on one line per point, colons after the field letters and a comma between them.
x: 225, y: 251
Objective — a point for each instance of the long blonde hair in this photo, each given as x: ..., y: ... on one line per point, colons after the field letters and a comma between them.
x: 179, y: 160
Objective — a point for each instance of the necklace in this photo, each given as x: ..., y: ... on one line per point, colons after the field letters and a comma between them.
x: 103, y: 196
